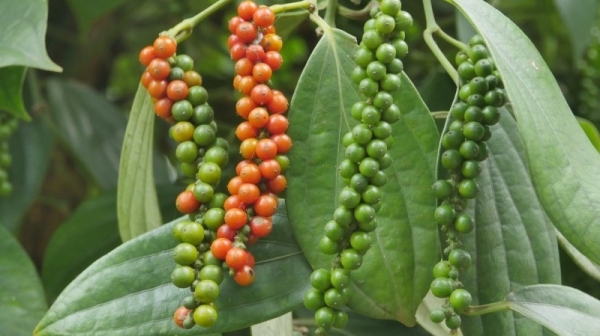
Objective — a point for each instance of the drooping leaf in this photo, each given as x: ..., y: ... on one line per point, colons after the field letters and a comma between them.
x: 279, y: 326
x: 89, y: 233
x: 23, y: 25
x: 93, y: 128
x: 562, y: 162
x: 137, y: 203
x: 395, y: 274
x: 579, y: 17
x: 30, y: 151
x: 591, y: 131
x: 128, y: 291
x: 11, y: 98
x: 88, y: 12
x: 513, y: 244
x: 589, y: 267
x: 564, y: 310
x: 22, y: 301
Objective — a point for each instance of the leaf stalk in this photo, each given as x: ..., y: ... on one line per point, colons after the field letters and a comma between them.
x: 305, y: 4
x: 487, y: 308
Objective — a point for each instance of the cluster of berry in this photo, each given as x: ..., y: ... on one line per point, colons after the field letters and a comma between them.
x: 464, y: 148
x: 377, y: 75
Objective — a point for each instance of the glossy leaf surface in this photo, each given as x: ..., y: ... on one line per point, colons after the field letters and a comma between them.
x: 23, y: 25
x: 589, y: 267
x: 395, y: 274
x: 128, y: 291
x: 562, y: 162
x: 30, y: 148
x: 564, y: 310
x: 513, y: 244
x: 137, y: 203
x: 11, y: 85
x: 22, y: 301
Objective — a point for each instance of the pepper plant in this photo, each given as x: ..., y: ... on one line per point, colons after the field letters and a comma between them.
x: 332, y: 186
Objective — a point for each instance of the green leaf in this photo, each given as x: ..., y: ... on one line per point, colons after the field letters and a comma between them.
x: 91, y: 127
x: 591, y: 131
x: 513, y: 244
x: 562, y: 162
x: 137, y: 203
x: 94, y: 130
x: 22, y: 302
x: 30, y: 148
x: 23, y: 25
x: 395, y: 276
x: 563, y: 310
x: 280, y: 326
x: 87, y: 12
x: 11, y: 85
x: 579, y: 18
x: 128, y: 291
x: 589, y: 267
x: 89, y: 233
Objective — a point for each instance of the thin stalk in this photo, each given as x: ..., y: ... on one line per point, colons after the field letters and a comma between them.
x: 183, y: 30
x: 330, y: 12
x: 432, y: 27
x: 323, y: 25
x: 361, y: 14
x: 305, y: 4
x: 487, y: 308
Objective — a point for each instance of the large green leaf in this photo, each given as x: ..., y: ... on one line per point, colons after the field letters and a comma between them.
x: 564, y: 310
x: 562, y: 161
x: 396, y: 271
x: 87, y: 12
x: 579, y: 18
x: 22, y: 301
x: 513, y: 244
x: 23, y: 26
x: 128, y: 291
x: 11, y: 85
x: 137, y: 203
x: 30, y: 148
x: 90, y: 233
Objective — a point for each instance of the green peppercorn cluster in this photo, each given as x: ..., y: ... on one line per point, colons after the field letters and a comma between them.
x: 203, y: 155
x: 377, y: 75
x: 8, y: 125
x: 464, y: 149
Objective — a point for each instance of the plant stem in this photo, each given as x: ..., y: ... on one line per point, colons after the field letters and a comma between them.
x: 432, y: 27
x: 183, y: 30
x: 486, y: 309
x: 361, y: 14
x: 330, y: 12
x: 305, y: 4
x: 314, y: 17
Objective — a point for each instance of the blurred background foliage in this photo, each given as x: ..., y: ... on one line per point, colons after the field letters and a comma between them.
x: 65, y: 162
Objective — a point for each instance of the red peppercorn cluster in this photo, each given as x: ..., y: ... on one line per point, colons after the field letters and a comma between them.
x: 167, y: 78
x: 254, y: 46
